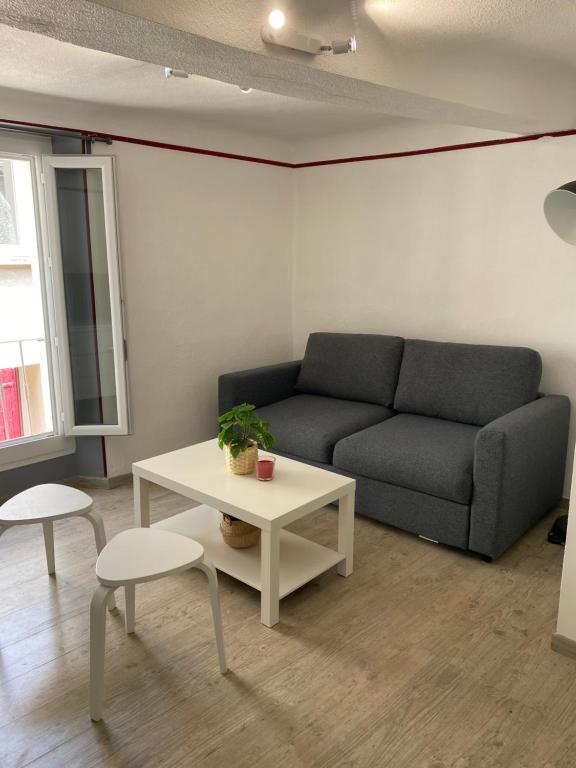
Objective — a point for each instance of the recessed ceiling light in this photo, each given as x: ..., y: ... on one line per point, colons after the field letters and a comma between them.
x: 276, y: 19
x: 245, y: 89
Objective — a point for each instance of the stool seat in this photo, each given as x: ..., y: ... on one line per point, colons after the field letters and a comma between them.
x: 133, y: 557
x: 145, y: 554
x: 44, y: 502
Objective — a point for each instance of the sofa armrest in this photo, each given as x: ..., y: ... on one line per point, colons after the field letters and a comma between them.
x: 260, y: 386
x: 519, y: 465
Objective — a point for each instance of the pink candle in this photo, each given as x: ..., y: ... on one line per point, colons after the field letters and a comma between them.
x: 265, y: 468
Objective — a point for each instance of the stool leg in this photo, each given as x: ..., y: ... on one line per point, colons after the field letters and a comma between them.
x: 100, y: 537
x: 97, y: 649
x: 210, y: 571
x: 48, y: 528
x: 130, y: 598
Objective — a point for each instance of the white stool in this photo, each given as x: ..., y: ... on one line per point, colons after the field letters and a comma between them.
x: 46, y: 503
x: 134, y: 557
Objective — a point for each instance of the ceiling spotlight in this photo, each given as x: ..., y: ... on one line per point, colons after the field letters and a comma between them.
x: 276, y: 19
x: 245, y: 89
x: 169, y: 72
x: 276, y: 33
x: 341, y: 46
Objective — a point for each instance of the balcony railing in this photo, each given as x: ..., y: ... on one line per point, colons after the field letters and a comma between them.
x: 18, y: 354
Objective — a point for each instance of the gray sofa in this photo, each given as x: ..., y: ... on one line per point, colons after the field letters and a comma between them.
x: 452, y: 442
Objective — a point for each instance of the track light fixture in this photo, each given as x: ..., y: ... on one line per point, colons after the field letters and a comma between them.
x: 275, y: 32
x: 169, y: 72
x: 341, y: 46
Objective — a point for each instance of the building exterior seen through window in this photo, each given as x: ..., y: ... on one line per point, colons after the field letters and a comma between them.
x: 7, y: 205
x: 25, y: 391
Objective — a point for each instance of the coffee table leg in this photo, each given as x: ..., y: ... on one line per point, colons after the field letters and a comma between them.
x: 141, y: 502
x: 346, y: 534
x: 270, y: 576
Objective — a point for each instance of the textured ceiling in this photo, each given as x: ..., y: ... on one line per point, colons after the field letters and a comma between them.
x: 43, y: 65
x: 490, y: 53
x: 545, y: 26
x: 507, y: 65
x: 336, y: 80
x: 513, y: 56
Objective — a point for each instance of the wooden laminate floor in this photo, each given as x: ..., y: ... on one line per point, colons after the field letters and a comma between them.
x: 424, y: 658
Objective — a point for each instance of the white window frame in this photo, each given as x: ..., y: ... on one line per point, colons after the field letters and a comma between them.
x: 30, y: 450
x: 106, y: 165
x: 35, y: 448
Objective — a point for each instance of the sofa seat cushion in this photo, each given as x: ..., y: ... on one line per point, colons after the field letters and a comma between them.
x: 309, y: 426
x: 416, y: 452
x: 352, y: 366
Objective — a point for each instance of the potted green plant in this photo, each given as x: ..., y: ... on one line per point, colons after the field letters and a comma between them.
x: 241, y: 432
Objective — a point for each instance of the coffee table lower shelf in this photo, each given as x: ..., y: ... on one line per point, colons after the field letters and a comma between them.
x: 301, y: 560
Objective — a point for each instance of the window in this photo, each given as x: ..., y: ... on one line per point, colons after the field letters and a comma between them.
x: 81, y: 216
x: 62, y: 350
x: 26, y: 394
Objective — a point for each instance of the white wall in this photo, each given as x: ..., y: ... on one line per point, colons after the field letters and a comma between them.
x: 206, y: 251
x: 206, y: 259
x: 450, y: 246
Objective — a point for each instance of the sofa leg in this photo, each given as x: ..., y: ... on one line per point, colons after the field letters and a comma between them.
x: 487, y: 559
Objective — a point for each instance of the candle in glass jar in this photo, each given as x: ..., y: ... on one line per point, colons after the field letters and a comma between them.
x: 265, y: 467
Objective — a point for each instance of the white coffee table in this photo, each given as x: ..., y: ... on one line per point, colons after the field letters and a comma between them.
x: 284, y: 561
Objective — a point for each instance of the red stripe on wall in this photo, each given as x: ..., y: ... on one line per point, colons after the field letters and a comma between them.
x: 156, y: 144
x: 283, y: 164
x: 195, y: 150
x: 436, y: 150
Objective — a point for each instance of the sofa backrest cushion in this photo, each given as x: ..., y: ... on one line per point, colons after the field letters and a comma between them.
x: 469, y: 383
x: 351, y: 366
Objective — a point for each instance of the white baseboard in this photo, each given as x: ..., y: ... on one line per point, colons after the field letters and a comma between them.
x: 105, y: 483
x: 564, y: 645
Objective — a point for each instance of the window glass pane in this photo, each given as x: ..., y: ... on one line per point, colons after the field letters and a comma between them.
x: 25, y: 390
x: 8, y: 227
x: 87, y: 294
x: 17, y: 212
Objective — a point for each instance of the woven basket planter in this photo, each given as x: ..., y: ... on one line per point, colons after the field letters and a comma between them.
x: 244, y: 463
x: 238, y: 534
